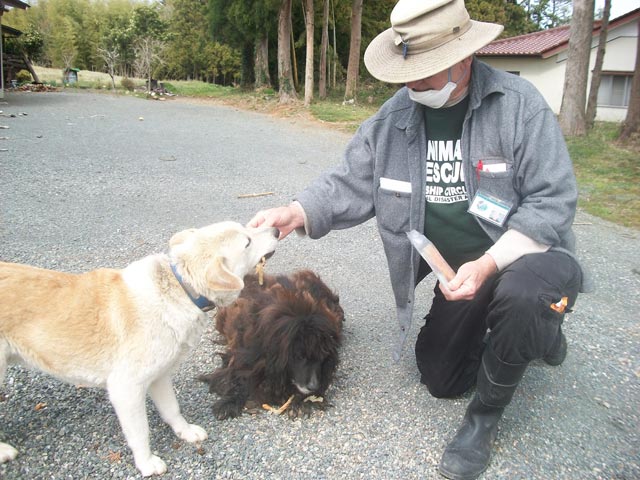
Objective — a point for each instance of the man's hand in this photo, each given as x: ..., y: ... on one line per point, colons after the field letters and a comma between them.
x: 470, y: 277
x: 286, y: 219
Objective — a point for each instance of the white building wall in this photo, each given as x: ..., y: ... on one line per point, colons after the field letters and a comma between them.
x: 547, y: 74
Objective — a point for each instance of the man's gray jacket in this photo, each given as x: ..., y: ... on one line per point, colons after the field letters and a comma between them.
x: 508, y: 122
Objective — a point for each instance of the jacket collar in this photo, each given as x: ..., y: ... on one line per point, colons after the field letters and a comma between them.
x: 483, y: 83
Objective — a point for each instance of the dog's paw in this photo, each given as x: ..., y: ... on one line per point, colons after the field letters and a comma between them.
x: 300, y: 410
x: 7, y: 452
x: 193, y: 433
x: 151, y: 466
x: 224, y: 409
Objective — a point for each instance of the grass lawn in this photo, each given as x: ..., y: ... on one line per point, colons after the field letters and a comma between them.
x: 608, y: 175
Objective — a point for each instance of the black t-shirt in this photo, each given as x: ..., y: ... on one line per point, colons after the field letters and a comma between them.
x: 453, y: 230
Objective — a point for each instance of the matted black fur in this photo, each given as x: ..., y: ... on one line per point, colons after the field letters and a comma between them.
x: 281, y: 339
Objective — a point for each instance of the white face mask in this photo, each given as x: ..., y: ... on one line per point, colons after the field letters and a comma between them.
x: 436, y: 98
x: 433, y: 98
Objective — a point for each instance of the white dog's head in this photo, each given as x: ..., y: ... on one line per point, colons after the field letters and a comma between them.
x: 215, y: 259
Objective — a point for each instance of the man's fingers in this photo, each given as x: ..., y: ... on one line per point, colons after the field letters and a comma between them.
x: 257, y: 220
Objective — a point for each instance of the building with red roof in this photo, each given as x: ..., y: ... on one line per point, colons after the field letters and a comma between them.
x: 541, y: 58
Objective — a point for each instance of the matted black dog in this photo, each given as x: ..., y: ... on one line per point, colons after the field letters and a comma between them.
x: 281, y: 340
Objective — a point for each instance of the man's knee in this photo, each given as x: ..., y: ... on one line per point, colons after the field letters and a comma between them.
x: 444, y: 382
x: 522, y: 319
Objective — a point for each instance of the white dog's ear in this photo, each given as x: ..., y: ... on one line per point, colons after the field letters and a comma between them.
x: 220, y: 278
x: 180, y: 237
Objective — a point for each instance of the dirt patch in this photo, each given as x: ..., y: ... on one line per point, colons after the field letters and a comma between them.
x: 269, y: 105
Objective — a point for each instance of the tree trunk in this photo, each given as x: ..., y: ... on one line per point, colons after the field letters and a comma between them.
x: 308, y: 70
x: 335, y: 44
x: 572, y: 111
x: 353, y: 69
x: 324, y: 44
x: 263, y: 79
x: 592, y: 103
x: 286, y: 91
x: 631, y: 125
x: 294, y: 60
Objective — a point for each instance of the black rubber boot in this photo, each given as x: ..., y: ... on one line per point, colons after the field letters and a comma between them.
x: 558, y: 352
x: 468, y: 454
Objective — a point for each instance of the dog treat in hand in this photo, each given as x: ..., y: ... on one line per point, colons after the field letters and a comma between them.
x: 278, y: 411
x: 430, y: 253
x: 260, y: 270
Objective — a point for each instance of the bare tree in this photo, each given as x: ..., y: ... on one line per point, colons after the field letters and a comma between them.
x: 68, y: 57
x: 324, y: 45
x: 631, y: 125
x: 572, y: 110
x: 286, y: 90
x: 111, y: 59
x: 308, y: 69
x: 148, y: 55
x: 353, y: 69
x: 596, y: 75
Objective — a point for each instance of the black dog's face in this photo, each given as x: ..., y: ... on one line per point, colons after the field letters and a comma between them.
x: 306, y: 374
x: 313, y: 351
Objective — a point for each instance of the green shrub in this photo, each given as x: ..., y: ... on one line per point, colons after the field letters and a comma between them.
x: 23, y: 76
x: 127, y: 84
x: 169, y: 87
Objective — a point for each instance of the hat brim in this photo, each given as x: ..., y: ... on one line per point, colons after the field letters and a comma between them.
x: 385, y: 62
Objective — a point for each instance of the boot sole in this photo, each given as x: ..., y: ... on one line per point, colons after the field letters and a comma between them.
x: 455, y: 476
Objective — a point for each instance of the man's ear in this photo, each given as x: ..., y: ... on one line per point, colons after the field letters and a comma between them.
x: 220, y: 278
x: 180, y: 237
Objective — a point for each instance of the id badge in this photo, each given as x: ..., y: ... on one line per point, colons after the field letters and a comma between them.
x: 490, y: 208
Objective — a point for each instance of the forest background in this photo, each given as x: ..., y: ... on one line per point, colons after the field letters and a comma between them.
x: 237, y: 42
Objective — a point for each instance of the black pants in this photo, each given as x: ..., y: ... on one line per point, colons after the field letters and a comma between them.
x: 514, y: 306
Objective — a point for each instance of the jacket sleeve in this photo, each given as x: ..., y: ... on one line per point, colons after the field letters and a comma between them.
x: 342, y: 197
x: 545, y: 181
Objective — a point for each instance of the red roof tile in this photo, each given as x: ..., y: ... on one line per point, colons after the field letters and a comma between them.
x: 546, y: 42
x: 535, y: 44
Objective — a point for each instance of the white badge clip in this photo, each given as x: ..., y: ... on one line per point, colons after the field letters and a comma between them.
x: 490, y: 208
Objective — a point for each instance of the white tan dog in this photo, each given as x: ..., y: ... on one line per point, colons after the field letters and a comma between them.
x: 127, y: 330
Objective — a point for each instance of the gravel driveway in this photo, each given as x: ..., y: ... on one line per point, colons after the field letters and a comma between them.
x: 92, y: 180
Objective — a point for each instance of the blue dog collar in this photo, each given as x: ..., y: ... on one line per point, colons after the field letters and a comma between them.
x: 202, y: 302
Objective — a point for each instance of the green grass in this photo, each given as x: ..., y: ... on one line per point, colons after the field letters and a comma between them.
x: 338, y: 113
x: 193, y: 88
x: 608, y: 175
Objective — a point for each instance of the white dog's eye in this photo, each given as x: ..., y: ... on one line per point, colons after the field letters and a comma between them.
x: 248, y: 243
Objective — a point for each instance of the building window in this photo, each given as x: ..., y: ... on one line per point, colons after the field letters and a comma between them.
x: 615, y: 89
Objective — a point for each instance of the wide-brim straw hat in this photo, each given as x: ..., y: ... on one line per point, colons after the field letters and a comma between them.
x: 426, y: 37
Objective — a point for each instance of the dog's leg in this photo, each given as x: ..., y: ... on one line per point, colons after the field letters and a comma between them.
x: 232, y: 399
x: 7, y: 452
x: 128, y: 400
x: 163, y: 396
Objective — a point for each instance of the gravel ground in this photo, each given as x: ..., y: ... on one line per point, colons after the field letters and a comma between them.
x: 92, y: 180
